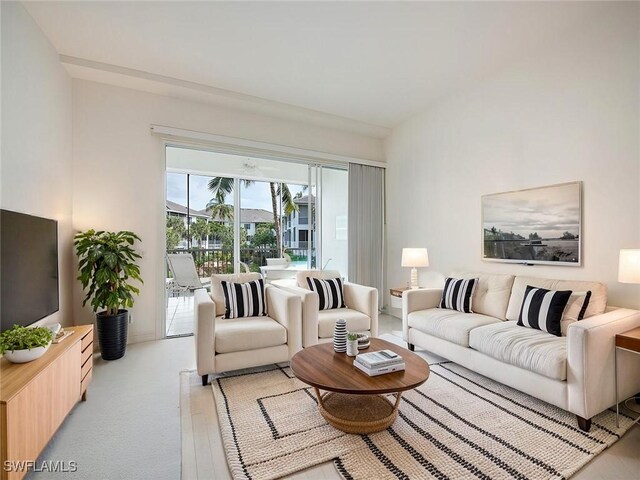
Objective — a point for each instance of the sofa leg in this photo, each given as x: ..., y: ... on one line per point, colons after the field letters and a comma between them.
x: 411, y: 346
x: 205, y: 380
x: 584, y: 423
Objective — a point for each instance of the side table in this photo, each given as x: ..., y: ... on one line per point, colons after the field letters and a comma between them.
x: 395, y: 305
x: 630, y: 342
x: 397, y: 291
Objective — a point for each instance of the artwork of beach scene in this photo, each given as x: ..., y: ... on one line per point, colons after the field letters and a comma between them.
x: 538, y: 225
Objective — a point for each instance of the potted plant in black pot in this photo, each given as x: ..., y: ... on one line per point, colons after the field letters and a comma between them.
x: 107, y: 264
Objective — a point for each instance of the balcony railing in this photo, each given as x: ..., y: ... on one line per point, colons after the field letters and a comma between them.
x: 217, y: 260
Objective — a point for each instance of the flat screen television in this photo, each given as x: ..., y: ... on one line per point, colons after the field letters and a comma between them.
x: 28, y: 268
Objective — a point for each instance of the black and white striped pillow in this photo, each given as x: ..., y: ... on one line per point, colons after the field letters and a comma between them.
x: 576, y: 309
x: 244, y: 299
x: 458, y: 294
x: 542, y: 309
x: 329, y: 290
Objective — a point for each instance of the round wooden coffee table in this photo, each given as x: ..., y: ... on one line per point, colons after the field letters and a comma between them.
x: 353, y: 401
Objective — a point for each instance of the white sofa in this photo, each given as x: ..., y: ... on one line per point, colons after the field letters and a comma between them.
x: 574, y: 372
x: 230, y: 344
x: 361, y: 312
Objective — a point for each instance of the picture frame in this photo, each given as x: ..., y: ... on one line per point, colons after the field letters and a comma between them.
x: 534, y: 226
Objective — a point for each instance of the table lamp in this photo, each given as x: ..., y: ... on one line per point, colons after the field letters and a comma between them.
x: 414, y: 258
x: 629, y: 266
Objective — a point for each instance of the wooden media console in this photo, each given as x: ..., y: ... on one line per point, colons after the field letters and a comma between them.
x: 36, y: 397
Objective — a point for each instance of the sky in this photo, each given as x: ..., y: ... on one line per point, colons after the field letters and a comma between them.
x: 256, y: 195
x: 549, y: 211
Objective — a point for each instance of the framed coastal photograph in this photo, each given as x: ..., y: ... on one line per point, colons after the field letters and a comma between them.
x: 534, y: 226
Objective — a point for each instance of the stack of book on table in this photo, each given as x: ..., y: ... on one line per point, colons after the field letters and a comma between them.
x: 379, y: 363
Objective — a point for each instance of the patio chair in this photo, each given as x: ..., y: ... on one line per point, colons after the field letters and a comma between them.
x: 283, y: 261
x: 185, y: 276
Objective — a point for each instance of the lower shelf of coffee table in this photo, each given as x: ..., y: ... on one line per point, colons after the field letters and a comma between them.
x: 358, y: 414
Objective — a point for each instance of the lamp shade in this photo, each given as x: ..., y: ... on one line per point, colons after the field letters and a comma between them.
x: 629, y: 266
x: 415, y: 257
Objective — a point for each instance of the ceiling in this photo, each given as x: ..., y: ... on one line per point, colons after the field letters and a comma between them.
x: 377, y: 63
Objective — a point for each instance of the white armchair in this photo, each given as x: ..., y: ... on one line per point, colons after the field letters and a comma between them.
x: 361, y: 312
x: 230, y: 344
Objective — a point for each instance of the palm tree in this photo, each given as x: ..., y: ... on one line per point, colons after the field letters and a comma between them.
x: 176, y: 231
x: 199, y: 229
x: 223, y: 186
x: 220, y: 210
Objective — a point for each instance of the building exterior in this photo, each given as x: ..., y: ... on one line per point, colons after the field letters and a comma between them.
x: 250, y: 218
x: 177, y: 210
x: 295, y: 227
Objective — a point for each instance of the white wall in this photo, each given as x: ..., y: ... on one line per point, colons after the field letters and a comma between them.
x: 568, y: 113
x: 37, y: 137
x: 118, y: 170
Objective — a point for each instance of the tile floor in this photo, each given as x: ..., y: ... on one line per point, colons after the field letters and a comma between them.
x: 180, y: 315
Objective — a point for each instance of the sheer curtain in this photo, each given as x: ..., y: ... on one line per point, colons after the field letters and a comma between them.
x: 366, y: 226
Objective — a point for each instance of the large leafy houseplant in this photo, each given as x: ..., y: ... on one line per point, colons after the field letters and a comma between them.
x: 108, y: 267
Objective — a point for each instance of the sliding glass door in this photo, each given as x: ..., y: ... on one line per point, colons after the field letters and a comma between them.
x: 233, y: 213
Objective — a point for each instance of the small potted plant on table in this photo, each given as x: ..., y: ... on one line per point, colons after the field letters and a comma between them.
x: 352, y: 344
x: 24, y: 344
x: 107, y: 263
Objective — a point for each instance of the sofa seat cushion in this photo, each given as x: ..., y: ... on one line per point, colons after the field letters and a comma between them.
x: 241, y: 334
x: 533, y: 350
x: 356, y: 321
x: 448, y: 325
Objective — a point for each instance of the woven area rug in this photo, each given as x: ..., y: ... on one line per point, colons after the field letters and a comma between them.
x: 457, y: 425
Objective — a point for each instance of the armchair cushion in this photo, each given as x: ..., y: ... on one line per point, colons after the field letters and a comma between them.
x: 330, y: 292
x: 356, y: 321
x: 301, y: 276
x: 216, y: 286
x: 242, y: 334
x: 244, y: 299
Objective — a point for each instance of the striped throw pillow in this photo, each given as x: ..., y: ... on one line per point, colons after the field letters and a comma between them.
x: 542, y: 309
x: 458, y: 294
x: 329, y: 290
x: 576, y: 309
x: 244, y: 299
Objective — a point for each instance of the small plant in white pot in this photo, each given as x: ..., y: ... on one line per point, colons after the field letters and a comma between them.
x: 352, y: 344
x: 24, y: 344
